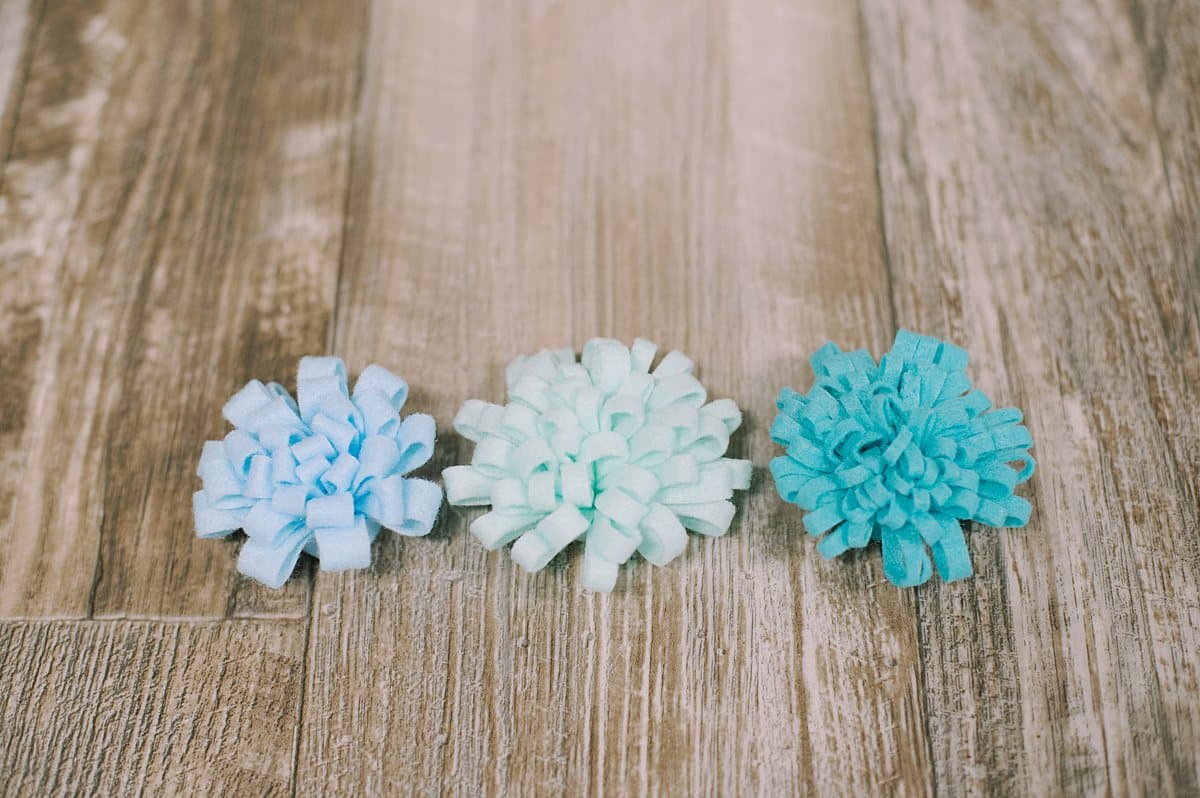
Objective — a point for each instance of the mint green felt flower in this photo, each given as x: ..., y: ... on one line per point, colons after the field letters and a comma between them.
x: 605, y: 450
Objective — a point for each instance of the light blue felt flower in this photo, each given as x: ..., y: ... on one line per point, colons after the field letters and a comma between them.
x: 901, y: 451
x: 321, y: 475
x: 603, y: 450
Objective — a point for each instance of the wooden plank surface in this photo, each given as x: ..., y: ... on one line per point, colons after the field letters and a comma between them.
x: 1029, y: 216
x: 196, y: 193
x: 462, y: 253
x: 125, y: 708
x: 188, y: 247
x: 16, y: 17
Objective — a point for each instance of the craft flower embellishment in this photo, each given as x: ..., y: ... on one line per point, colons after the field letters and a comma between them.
x: 901, y: 451
x: 603, y: 449
x: 321, y: 475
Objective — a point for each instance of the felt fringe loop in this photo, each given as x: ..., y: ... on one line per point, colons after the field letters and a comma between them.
x: 320, y: 475
x: 603, y: 450
x: 902, y: 452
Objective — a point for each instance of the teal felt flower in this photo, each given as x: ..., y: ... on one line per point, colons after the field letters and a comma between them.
x: 319, y: 475
x: 903, y: 452
x: 604, y: 449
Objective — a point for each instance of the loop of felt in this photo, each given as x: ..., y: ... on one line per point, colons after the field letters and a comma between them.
x: 320, y: 474
x: 602, y: 449
x: 901, y: 451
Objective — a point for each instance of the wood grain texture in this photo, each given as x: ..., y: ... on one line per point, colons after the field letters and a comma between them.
x: 15, y: 45
x: 173, y: 243
x: 556, y: 172
x: 196, y: 193
x: 144, y: 708
x: 1029, y: 214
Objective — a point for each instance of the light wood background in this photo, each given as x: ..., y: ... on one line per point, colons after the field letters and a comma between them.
x: 194, y: 194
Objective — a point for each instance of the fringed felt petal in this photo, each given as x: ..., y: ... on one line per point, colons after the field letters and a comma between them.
x: 902, y: 451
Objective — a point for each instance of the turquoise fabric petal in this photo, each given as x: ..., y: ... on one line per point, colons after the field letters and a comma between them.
x: 902, y: 451
x: 319, y: 474
x: 607, y: 449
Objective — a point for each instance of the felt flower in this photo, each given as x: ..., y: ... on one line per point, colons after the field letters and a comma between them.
x: 901, y: 451
x: 603, y: 450
x: 320, y: 475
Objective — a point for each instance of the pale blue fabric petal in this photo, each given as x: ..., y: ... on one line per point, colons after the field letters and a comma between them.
x: 313, y: 446
x: 342, y: 435
x: 901, y: 451
x: 292, y: 499
x: 542, y: 491
x: 222, y: 485
x: 239, y: 448
x: 271, y: 563
x: 320, y: 474
x: 246, y: 402
x: 641, y: 484
x: 607, y: 362
x: 619, y: 507
x: 377, y: 378
x: 333, y: 510
x: 378, y: 457
x: 259, y: 482
x: 726, y: 411
x: 383, y: 500
x: 422, y: 500
x: 378, y: 412
x: 318, y: 379
x: 415, y: 437
x: 344, y: 548
x: 607, y: 450
x: 212, y: 522
x: 340, y: 475
x: 269, y: 527
x: 493, y: 457
x: 577, y: 487
x: 682, y: 469
x: 714, y: 485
